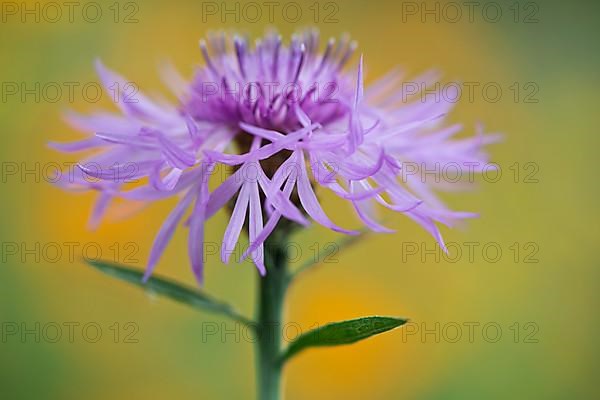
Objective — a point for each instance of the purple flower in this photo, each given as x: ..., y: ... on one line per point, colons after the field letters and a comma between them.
x: 287, y: 120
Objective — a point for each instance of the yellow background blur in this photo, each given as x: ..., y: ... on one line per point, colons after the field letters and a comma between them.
x: 558, y: 214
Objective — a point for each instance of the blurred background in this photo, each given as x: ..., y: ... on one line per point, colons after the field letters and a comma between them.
x: 517, y: 324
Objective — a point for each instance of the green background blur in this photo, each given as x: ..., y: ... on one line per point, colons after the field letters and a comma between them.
x: 559, y: 214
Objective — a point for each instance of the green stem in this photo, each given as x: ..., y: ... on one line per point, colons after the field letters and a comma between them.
x: 271, y: 294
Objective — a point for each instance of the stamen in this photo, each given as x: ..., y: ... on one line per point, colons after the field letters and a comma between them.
x: 260, y: 56
x: 326, y: 55
x: 313, y: 41
x: 240, y: 51
x: 341, y: 46
x: 300, y: 62
x: 207, y: 59
x: 219, y: 42
x: 351, y: 49
x: 293, y: 52
x: 276, y: 57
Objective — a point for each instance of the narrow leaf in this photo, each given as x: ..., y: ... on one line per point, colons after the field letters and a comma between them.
x: 345, y: 332
x: 169, y: 288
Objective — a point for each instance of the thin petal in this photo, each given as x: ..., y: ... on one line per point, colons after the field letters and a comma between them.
x: 196, y: 235
x: 143, y: 142
x: 79, y: 145
x: 234, y: 228
x: 99, y: 209
x: 271, y: 223
x: 166, y: 232
x: 221, y: 195
x: 255, y: 227
x: 174, y: 154
x: 309, y: 199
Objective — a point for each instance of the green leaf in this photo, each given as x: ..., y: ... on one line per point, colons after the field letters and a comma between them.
x: 344, y: 332
x: 171, y: 289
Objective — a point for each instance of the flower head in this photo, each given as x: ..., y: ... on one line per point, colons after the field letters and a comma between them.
x: 289, y: 119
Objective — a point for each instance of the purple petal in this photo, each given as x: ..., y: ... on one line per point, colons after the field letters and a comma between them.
x: 221, y: 195
x: 234, y: 228
x: 302, y: 116
x: 261, y: 132
x: 170, y: 180
x: 143, y: 142
x: 166, y: 232
x: 279, y: 201
x: 131, y: 101
x: 151, y: 193
x: 196, y: 235
x: 99, y: 209
x: 309, y: 199
x: 255, y: 227
x: 103, y: 122
x: 120, y: 172
x: 365, y: 212
x: 429, y: 226
x: 271, y: 223
x: 176, y: 156
x: 79, y: 145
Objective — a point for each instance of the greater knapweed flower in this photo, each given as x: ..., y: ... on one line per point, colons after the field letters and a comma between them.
x: 289, y: 120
